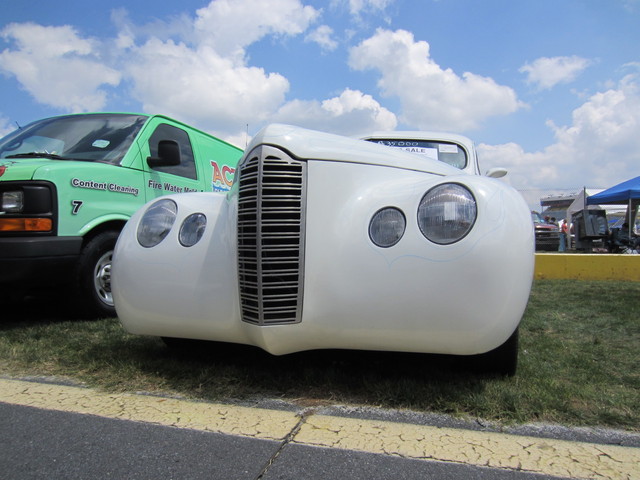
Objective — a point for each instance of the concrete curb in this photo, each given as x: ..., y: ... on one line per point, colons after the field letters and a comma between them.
x: 587, y: 266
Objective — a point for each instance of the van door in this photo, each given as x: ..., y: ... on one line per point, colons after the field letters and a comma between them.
x: 182, y: 177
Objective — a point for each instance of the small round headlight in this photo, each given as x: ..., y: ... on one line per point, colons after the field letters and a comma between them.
x: 192, y: 229
x: 387, y: 227
x: 447, y: 213
x: 157, y: 222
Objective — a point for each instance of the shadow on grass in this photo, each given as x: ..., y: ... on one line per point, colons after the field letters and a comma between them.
x: 101, y: 353
x: 218, y: 371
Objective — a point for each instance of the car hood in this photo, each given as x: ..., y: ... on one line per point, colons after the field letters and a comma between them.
x: 314, y: 145
x: 543, y: 226
x: 21, y: 169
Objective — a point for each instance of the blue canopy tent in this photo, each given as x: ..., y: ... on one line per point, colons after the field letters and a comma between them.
x: 625, y: 193
x: 620, y: 194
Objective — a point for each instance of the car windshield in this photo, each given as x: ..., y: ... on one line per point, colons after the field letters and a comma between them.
x: 447, y: 152
x: 91, y: 137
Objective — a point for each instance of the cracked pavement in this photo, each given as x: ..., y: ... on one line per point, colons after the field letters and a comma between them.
x: 313, y: 427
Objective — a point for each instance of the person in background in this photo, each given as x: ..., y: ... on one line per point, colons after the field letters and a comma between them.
x: 564, y: 235
x: 628, y: 238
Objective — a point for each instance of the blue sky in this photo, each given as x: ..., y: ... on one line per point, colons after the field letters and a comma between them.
x: 548, y: 89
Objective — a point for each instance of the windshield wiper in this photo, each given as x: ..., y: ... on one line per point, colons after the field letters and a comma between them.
x: 51, y: 156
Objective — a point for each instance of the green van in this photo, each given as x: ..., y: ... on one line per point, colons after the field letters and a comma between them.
x: 68, y: 184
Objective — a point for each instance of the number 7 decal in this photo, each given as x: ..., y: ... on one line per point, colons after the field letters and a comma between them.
x: 76, y: 206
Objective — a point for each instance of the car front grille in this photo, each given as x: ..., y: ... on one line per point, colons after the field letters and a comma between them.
x: 271, y: 219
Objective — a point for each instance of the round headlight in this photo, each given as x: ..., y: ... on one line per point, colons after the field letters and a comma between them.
x: 447, y: 213
x: 156, y: 222
x: 192, y: 229
x: 387, y: 227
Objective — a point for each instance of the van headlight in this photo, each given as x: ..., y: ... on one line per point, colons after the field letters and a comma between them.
x: 447, y: 213
x: 156, y: 222
x: 12, y: 201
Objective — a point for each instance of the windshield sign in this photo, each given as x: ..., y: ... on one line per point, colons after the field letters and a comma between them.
x: 446, y: 152
x: 92, y: 137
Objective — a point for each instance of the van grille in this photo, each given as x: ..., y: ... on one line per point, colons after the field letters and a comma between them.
x: 271, y: 208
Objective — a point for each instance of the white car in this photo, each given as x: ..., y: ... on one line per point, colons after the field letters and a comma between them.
x: 329, y: 242
x: 455, y: 150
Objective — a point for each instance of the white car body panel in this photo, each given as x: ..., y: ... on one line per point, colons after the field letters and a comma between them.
x: 416, y: 296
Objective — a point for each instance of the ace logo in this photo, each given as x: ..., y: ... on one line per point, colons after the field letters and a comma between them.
x: 222, y: 178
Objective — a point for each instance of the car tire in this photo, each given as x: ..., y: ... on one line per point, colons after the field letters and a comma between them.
x: 177, y: 344
x: 502, y: 360
x: 190, y: 348
x: 93, y: 276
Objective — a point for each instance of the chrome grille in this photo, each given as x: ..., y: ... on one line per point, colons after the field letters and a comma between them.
x: 271, y: 206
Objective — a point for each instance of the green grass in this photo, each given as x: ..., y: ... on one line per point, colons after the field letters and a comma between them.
x: 579, y: 345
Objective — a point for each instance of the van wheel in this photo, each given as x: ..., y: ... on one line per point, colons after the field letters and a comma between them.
x: 93, y: 278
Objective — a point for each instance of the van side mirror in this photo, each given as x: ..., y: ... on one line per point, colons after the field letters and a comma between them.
x: 496, y: 172
x: 168, y: 154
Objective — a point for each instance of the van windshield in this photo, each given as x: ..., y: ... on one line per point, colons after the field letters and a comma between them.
x: 101, y: 137
x: 447, y: 152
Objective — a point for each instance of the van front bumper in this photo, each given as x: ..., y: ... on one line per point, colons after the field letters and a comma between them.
x: 27, y: 262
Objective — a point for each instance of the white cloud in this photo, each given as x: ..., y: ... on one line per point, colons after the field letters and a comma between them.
x: 431, y: 97
x: 206, y: 79
x: 196, y: 69
x: 599, y: 149
x: 201, y: 87
x: 126, y: 34
x: 603, y: 139
x: 323, y: 36
x: 547, y: 72
x: 356, y: 7
x: 193, y: 68
x: 57, y: 67
x: 229, y: 26
x: 351, y: 113
x: 5, y: 126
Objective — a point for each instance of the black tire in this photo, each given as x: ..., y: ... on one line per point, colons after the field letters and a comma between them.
x: 93, y: 276
x: 502, y: 360
x: 178, y: 344
x: 191, y: 348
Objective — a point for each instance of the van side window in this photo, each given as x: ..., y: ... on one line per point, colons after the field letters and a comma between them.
x: 187, y: 167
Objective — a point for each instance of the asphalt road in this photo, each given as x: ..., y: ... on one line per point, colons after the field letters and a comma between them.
x: 57, y: 431
x: 39, y: 444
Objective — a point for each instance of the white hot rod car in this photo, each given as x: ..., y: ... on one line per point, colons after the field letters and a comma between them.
x: 329, y: 242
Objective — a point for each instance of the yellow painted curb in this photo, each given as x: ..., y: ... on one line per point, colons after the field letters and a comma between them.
x: 487, y: 449
x: 212, y: 417
x: 587, y: 266
x: 495, y: 450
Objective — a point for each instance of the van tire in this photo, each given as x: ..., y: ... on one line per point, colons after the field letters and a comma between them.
x: 93, y: 276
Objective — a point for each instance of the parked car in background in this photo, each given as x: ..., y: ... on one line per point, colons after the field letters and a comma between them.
x: 547, y: 234
x: 68, y: 184
x: 329, y: 242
